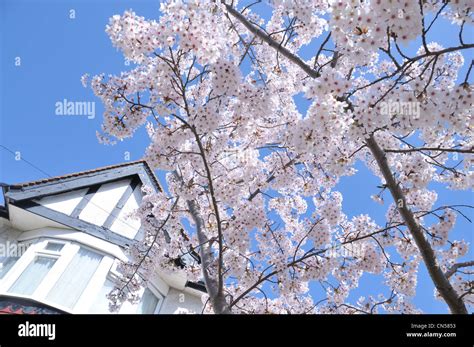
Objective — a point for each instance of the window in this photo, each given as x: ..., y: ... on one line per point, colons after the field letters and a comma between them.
x: 101, y: 303
x: 60, y: 273
x: 71, y: 277
x: 54, y: 246
x: 33, y: 275
x: 44, y: 259
x: 149, y: 303
x: 9, y: 255
x: 75, y: 278
x: 6, y: 264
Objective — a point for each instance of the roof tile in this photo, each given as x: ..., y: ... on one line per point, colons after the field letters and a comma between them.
x: 80, y: 173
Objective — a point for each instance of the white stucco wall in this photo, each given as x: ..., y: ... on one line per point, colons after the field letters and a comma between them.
x: 65, y: 202
x: 99, y: 207
x: 24, y: 220
x: 7, y: 232
x: 8, y: 245
x: 103, y: 202
x: 125, y: 225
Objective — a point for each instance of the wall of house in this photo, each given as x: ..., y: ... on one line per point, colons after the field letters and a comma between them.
x: 8, y: 246
x: 178, y: 301
x: 7, y: 232
x: 100, y: 205
x: 124, y: 225
x: 64, y: 202
x: 103, y: 202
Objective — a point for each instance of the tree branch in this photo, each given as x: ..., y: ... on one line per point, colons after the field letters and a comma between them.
x: 272, y: 43
x: 452, y: 270
x: 446, y: 290
x: 434, y: 149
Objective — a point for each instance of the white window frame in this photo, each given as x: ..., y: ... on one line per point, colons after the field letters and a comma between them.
x: 127, y: 307
x: 107, y: 269
x: 64, y: 257
x: 156, y: 293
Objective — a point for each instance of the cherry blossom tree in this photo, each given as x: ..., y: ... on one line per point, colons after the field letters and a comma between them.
x: 251, y: 181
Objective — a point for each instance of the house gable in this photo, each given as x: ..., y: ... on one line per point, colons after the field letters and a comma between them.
x: 97, y: 202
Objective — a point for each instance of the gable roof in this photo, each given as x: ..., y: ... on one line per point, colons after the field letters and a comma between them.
x: 76, y: 174
x: 68, y: 182
x: 26, y: 195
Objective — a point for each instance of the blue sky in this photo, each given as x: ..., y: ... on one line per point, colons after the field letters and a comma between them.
x: 56, y: 50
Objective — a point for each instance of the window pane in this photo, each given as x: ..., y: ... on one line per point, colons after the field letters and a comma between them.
x: 101, y: 303
x: 74, y: 279
x: 148, y: 303
x: 31, y: 278
x: 53, y: 246
x: 6, y: 264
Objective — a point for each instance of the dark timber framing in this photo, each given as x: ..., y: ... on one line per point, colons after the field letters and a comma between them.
x: 85, y: 180
x: 138, y: 172
x: 3, y: 212
x: 85, y: 199
x: 75, y: 223
x: 197, y: 286
x: 22, y: 195
x: 134, y: 184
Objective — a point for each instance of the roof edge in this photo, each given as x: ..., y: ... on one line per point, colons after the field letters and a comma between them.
x: 80, y: 173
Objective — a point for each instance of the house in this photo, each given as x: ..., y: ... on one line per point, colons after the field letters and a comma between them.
x: 61, y: 239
